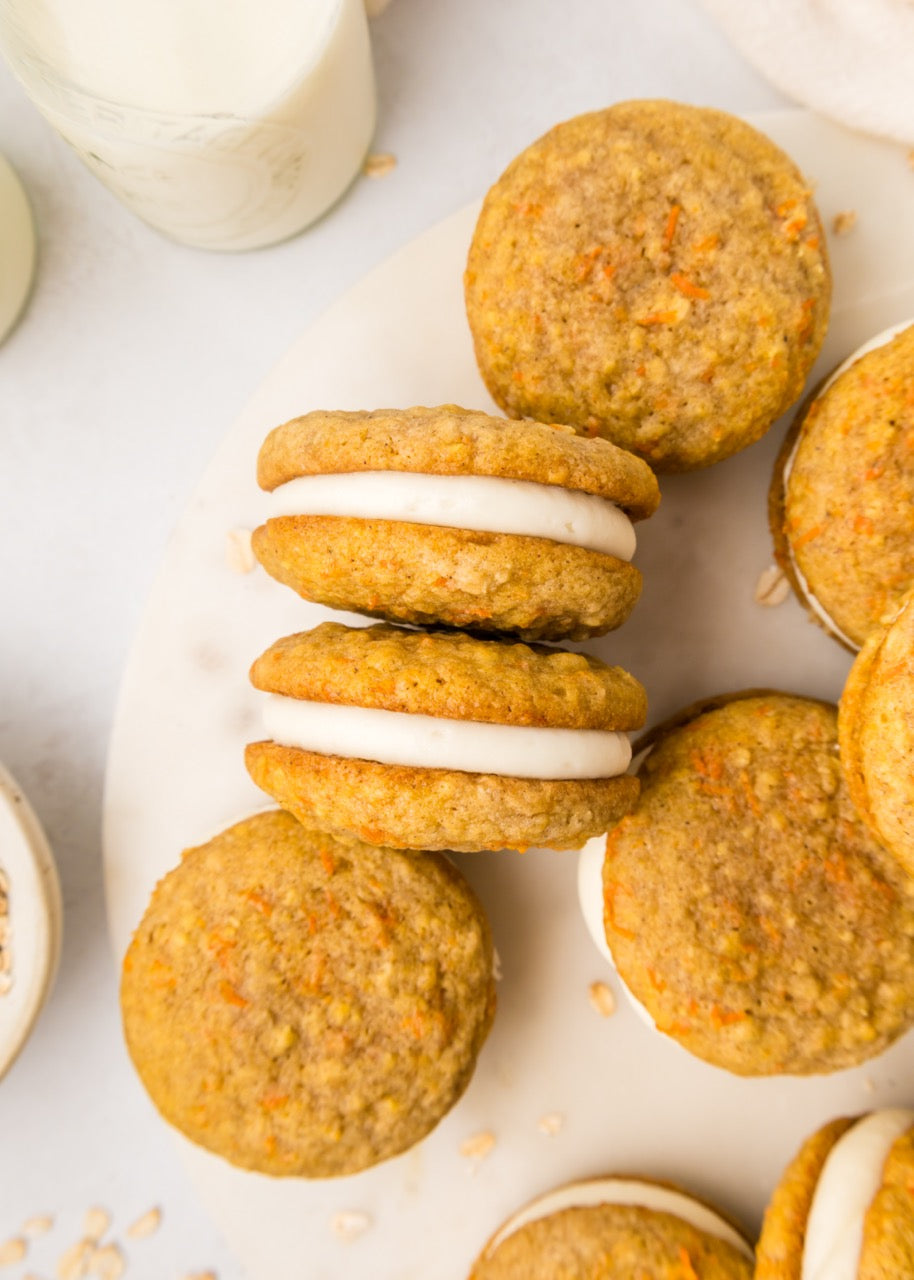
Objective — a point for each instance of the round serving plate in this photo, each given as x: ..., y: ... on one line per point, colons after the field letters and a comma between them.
x: 564, y: 1092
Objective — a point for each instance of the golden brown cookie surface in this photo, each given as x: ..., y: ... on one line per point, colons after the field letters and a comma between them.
x: 451, y: 675
x: 746, y: 904
x: 466, y: 570
x: 870, y: 1233
x: 654, y: 273
x: 842, y: 496
x: 611, y: 1242
x: 876, y: 732
x: 459, y: 691
x: 307, y: 1006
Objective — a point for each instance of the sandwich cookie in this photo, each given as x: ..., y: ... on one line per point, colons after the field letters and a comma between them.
x: 422, y: 740
x: 745, y: 903
x: 841, y: 504
x: 843, y: 1209
x: 446, y: 516
x: 615, y: 1228
x: 876, y: 733
x: 653, y: 273
x: 306, y: 1006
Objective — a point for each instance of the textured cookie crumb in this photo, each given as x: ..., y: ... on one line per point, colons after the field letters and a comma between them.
x: 601, y: 999
x: 844, y: 222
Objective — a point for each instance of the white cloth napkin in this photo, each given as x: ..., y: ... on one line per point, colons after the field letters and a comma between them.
x: 852, y: 60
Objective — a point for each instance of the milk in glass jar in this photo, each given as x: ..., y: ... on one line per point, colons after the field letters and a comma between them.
x: 227, y: 124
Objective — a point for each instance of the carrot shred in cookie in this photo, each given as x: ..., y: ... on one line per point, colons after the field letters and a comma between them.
x: 688, y: 287
x: 689, y: 1271
x: 670, y: 229
x: 659, y: 317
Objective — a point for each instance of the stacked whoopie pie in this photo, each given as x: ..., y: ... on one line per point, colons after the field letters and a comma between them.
x: 459, y: 739
x: 307, y: 993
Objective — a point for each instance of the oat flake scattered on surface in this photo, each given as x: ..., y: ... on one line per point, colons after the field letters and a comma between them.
x: 479, y: 1146
x: 844, y: 222
x: 602, y: 999
x: 107, y: 1263
x: 96, y: 1223
x: 13, y: 1250
x: 379, y: 164
x: 772, y: 587
x: 551, y: 1124
x: 145, y: 1226
x: 38, y: 1225
x: 199, y: 1275
x: 74, y: 1262
x: 349, y: 1224
x: 239, y: 555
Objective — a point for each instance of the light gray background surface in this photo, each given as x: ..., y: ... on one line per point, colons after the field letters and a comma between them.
x: 132, y: 361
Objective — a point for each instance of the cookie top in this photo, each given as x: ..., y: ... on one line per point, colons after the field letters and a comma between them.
x: 876, y: 732
x: 303, y: 1005
x: 843, y: 1208
x: 746, y: 904
x: 842, y: 498
x: 654, y: 273
x: 451, y: 675
x: 449, y: 441
x: 640, y: 1228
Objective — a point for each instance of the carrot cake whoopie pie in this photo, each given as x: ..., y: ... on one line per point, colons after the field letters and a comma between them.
x: 843, y: 1209
x: 876, y: 732
x: 447, y: 516
x: 443, y: 741
x: 307, y: 1006
x: 747, y: 907
x: 654, y: 273
x: 841, y: 503
x: 615, y: 1228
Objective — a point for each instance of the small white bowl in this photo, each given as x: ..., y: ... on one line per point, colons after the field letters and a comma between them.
x: 35, y: 918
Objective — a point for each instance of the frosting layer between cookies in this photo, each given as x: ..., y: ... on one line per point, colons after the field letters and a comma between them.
x: 849, y: 1180
x: 485, y: 504
x: 432, y: 742
x: 625, y: 1191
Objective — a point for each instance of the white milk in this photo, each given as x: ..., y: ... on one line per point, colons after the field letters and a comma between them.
x: 227, y: 124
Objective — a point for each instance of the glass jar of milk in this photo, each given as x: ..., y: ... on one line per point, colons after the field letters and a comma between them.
x: 228, y: 124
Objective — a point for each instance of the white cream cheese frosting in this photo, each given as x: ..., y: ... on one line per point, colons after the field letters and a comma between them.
x: 485, y: 504
x: 432, y: 742
x: 850, y: 1178
x: 590, y: 899
x: 880, y: 340
x: 624, y: 1191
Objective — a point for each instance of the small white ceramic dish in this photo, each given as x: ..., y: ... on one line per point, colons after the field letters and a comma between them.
x: 35, y: 918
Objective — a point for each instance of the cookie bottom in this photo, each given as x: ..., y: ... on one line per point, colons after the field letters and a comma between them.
x: 409, y: 808
x: 429, y: 575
